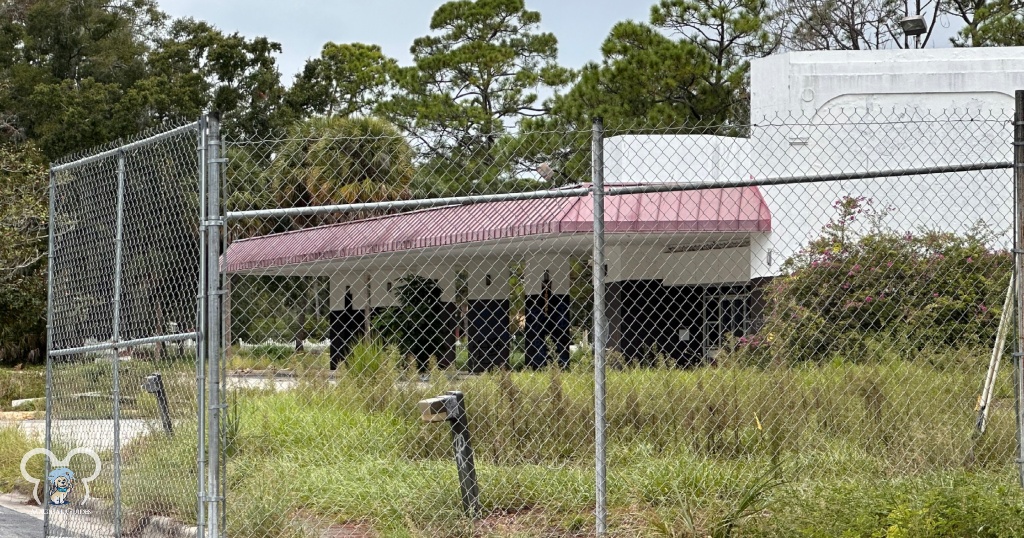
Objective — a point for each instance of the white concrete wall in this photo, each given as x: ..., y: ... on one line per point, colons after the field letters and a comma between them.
x: 379, y: 278
x: 357, y: 288
x: 380, y: 281
x: 807, y: 82
x: 855, y: 111
x: 478, y: 270
x: 558, y: 267
x: 764, y: 257
x: 651, y: 262
x: 672, y: 159
x: 445, y: 275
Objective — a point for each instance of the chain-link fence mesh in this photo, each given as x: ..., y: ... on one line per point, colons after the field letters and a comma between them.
x: 801, y: 313
x: 343, y: 318
x: 798, y: 346
x: 122, y: 364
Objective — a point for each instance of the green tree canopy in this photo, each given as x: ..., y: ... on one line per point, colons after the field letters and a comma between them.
x: 23, y: 247
x: 474, y: 77
x: 643, y: 75
x: 690, y: 66
x: 347, y: 78
x: 81, y: 73
x: 729, y: 32
x: 197, y: 67
x: 66, y: 66
x: 988, y: 23
x: 334, y: 160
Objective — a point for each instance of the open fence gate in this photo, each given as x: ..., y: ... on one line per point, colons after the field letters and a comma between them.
x: 635, y: 320
x: 123, y: 335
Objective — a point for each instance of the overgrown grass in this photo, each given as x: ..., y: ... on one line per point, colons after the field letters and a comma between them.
x: 877, y: 449
x: 13, y: 446
x: 275, y: 357
x: 282, y: 358
x: 84, y: 390
x: 22, y: 384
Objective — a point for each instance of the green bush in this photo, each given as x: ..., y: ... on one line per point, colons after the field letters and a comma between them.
x: 13, y: 446
x: 861, y: 288
x: 278, y: 308
x: 418, y: 324
x: 274, y: 353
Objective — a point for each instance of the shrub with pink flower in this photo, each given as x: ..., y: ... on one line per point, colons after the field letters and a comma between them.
x: 936, y: 289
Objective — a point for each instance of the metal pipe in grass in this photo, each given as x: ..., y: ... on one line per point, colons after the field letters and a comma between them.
x: 987, y: 390
x: 451, y: 408
x: 154, y: 384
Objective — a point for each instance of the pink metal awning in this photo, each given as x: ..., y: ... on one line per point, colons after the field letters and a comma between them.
x: 741, y: 209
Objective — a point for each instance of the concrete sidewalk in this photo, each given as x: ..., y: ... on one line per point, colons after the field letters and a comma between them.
x: 24, y: 519
x: 21, y: 519
x: 17, y: 525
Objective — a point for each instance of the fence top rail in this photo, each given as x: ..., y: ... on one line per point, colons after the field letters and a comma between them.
x: 194, y: 126
x: 794, y: 180
x: 426, y: 203
x: 423, y: 203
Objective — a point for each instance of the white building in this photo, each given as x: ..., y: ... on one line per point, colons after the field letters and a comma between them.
x: 685, y: 268
x: 834, y: 112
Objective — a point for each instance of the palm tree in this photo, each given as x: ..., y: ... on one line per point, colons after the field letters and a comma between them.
x: 329, y: 161
x: 338, y: 160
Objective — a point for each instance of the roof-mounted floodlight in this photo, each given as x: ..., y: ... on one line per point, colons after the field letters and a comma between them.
x: 913, y: 25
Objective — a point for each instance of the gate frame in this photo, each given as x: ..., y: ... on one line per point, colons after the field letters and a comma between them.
x: 116, y: 344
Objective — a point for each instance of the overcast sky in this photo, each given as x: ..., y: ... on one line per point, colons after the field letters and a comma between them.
x: 303, y: 26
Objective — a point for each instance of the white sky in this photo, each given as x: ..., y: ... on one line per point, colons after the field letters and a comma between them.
x: 303, y: 26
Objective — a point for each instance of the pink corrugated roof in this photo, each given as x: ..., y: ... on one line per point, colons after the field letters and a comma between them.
x: 741, y: 209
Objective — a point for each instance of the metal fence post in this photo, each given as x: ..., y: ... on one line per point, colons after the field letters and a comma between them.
x: 115, y: 338
x: 223, y: 301
x: 1018, y: 249
x: 600, y: 329
x: 213, y: 323
x: 201, y: 329
x: 49, y: 344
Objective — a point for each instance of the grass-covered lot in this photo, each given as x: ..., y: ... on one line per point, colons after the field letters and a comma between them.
x: 22, y: 383
x: 884, y: 448
x: 850, y: 413
x: 881, y: 449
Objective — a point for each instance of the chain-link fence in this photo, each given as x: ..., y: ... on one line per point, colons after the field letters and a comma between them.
x: 121, y: 374
x: 791, y: 311
x: 793, y: 327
